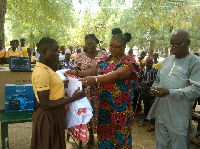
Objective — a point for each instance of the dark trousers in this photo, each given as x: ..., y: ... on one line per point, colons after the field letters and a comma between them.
x: 135, y: 100
x: 147, y: 100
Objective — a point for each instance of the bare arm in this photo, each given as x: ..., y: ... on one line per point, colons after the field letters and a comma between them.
x: 82, y: 74
x: 45, y: 103
x: 120, y: 74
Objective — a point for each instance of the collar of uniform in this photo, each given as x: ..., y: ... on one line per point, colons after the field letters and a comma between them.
x: 38, y: 64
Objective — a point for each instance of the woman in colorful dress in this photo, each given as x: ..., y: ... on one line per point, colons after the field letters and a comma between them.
x: 113, y: 74
x: 85, y: 61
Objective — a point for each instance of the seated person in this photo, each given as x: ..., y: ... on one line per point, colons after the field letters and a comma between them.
x: 23, y: 47
x: 31, y: 56
x: 67, y: 63
x: 13, y: 51
x: 156, y: 63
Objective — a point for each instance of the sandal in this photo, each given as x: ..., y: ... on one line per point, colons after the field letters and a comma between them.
x: 151, y: 128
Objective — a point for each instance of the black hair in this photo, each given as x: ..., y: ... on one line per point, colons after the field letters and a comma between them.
x: 12, y: 41
x: 117, y: 33
x: 22, y: 39
x: 16, y: 41
x: 197, y: 54
x: 62, y: 47
x: 92, y: 36
x: 44, y: 42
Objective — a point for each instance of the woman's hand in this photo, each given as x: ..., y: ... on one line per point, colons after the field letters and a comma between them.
x: 78, y: 94
x: 88, y: 81
x: 71, y: 72
x: 159, y: 92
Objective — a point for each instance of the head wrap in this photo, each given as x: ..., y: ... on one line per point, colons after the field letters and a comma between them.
x: 149, y: 58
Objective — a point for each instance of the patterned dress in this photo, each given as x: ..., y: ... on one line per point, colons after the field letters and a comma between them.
x: 115, y: 116
x: 86, y: 63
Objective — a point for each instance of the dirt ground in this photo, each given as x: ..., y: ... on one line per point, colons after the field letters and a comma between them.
x: 20, y: 136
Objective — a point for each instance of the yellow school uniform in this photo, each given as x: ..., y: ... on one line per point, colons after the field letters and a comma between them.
x: 33, y: 58
x: 143, y: 61
x: 10, y: 52
x: 44, y: 78
x: 158, y: 65
x: 73, y: 56
x: 24, y: 51
x: 2, y: 53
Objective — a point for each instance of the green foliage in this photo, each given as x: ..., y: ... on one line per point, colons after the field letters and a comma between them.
x: 150, y: 22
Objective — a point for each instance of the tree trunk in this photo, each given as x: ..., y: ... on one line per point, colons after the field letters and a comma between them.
x: 166, y: 52
x: 152, y: 47
x: 2, y: 18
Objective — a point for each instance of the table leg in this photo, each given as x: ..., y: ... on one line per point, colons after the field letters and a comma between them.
x: 4, y: 135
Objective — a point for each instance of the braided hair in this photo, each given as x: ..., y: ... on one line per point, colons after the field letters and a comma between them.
x: 117, y: 33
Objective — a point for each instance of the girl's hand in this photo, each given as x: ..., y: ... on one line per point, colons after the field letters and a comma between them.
x: 71, y: 72
x: 78, y: 94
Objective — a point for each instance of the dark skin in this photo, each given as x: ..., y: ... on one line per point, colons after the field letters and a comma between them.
x: 91, y: 46
x: 180, y: 42
x: 155, y: 57
x: 142, y: 55
x: 67, y: 57
x: 22, y: 40
x: 13, y: 46
x: 117, y: 49
x: 149, y: 65
x: 49, y: 57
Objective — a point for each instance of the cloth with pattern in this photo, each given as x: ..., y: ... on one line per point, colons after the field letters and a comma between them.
x: 86, y: 63
x: 115, y: 116
x: 67, y: 65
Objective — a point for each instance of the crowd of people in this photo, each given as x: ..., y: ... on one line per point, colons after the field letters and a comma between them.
x: 116, y: 86
x: 16, y: 50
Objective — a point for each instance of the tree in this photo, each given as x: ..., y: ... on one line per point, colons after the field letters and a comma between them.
x: 2, y: 18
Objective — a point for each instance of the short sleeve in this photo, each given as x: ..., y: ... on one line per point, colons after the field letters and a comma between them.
x: 42, y: 82
x: 130, y: 63
x: 7, y: 54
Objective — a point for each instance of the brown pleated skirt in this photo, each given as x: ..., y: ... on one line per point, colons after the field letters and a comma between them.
x: 48, y: 130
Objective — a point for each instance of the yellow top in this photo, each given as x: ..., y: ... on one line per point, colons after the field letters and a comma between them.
x: 24, y: 51
x: 158, y: 65
x: 44, y: 78
x: 33, y: 58
x: 10, y: 52
x: 2, y: 53
x: 143, y: 61
x: 73, y: 56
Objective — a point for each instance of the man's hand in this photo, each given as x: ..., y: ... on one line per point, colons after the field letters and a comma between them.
x: 159, y: 92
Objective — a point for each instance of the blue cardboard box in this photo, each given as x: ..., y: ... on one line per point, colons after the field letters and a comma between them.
x: 19, y: 98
